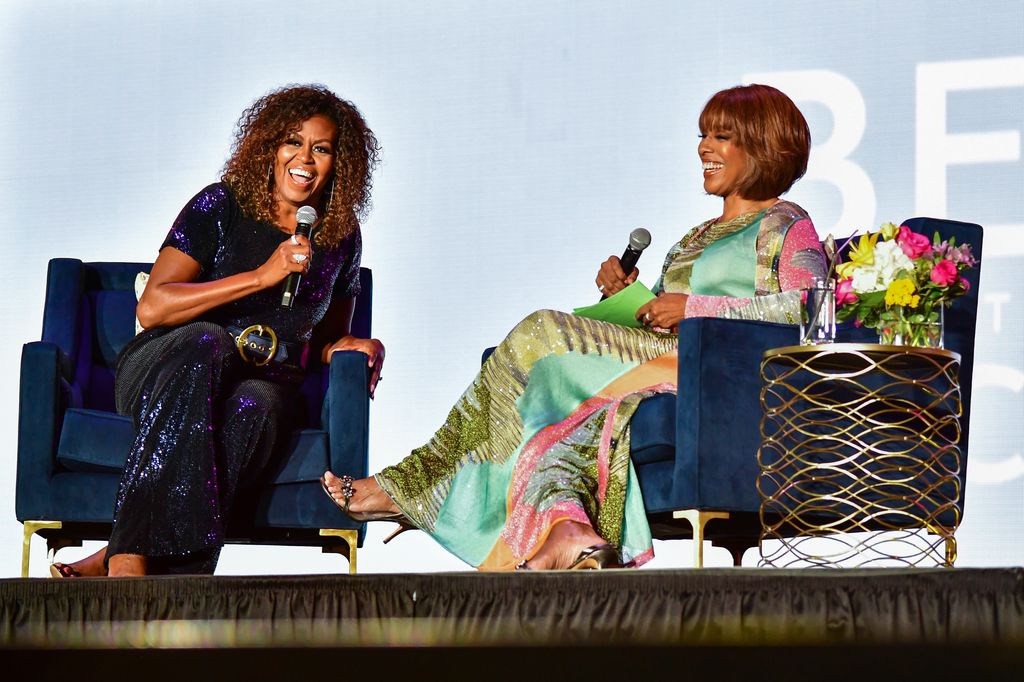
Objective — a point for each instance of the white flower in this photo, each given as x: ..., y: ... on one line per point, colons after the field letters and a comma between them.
x: 889, y: 261
x: 865, y: 280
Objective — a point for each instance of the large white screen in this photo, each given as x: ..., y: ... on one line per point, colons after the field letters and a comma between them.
x: 522, y: 142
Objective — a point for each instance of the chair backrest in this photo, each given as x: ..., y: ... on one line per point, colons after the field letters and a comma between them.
x: 960, y: 319
x: 90, y: 314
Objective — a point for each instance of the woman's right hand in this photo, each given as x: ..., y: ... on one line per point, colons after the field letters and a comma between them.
x: 174, y: 297
x: 611, y: 279
x: 282, y: 261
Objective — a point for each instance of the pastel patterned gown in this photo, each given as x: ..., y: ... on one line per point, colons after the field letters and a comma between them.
x: 542, y: 433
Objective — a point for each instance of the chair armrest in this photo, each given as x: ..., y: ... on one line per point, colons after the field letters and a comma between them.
x: 346, y: 413
x: 718, y: 409
x: 42, y: 401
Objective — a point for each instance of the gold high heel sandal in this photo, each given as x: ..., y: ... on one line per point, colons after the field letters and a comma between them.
x: 595, y: 557
x: 347, y: 491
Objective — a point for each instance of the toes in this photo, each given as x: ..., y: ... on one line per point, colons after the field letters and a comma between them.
x: 332, y: 483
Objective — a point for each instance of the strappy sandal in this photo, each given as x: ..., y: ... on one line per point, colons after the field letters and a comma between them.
x: 347, y: 491
x: 597, y: 557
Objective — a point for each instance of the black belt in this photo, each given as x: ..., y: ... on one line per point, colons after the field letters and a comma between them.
x: 258, y: 345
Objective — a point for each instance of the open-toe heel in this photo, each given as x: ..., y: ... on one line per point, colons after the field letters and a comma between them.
x: 403, y: 525
x: 347, y: 491
x: 597, y: 557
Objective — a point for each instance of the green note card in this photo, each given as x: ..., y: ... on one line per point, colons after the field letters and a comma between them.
x: 620, y: 308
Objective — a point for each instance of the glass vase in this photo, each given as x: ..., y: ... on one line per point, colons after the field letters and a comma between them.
x: 818, y: 313
x: 918, y: 334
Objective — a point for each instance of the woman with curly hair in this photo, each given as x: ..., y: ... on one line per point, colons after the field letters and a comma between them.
x: 532, y: 468
x: 206, y: 386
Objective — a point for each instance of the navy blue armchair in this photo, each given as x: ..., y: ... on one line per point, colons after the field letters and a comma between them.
x: 72, y: 444
x: 696, y: 454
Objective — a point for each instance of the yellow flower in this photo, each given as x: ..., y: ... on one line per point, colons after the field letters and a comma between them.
x: 901, y: 292
x: 862, y: 254
x: 888, y: 231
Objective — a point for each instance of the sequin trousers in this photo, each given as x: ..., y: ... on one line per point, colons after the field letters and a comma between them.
x: 205, y: 422
x: 540, y: 436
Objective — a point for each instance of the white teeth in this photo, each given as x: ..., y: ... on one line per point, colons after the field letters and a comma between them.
x: 302, y: 173
x: 711, y: 165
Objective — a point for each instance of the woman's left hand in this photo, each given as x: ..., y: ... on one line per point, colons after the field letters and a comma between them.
x: 663, y: 312
x: 372, y: 348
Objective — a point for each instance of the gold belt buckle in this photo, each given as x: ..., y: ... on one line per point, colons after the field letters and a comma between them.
x: 242, y: 343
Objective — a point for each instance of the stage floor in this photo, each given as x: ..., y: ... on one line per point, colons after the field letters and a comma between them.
x: 758, y: 624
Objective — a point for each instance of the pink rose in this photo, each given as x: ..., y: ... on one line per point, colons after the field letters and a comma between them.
x: 844, y: 292
x: 944, y: 273
x: 914, y: 245
x: 965, y: 284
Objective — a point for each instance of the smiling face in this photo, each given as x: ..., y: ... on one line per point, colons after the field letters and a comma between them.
x: 304, y: 165
x: 724, y: 162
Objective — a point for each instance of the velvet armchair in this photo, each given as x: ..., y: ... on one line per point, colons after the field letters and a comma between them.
x: 72, y: 444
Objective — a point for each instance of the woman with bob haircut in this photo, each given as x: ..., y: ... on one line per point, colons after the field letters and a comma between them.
x: 531, y: 470
x: 207, y: 385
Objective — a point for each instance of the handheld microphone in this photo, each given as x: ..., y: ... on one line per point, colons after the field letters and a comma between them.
x: 304, y: 219
x: 639, y: 239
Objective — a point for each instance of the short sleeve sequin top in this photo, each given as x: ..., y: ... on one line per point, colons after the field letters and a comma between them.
x: 213, y: 230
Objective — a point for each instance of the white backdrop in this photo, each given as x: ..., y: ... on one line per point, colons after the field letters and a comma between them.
x: 522, y: 141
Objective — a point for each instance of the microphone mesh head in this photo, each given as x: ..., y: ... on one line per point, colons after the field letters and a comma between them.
x: 307, y: 215
x: 639, y: 239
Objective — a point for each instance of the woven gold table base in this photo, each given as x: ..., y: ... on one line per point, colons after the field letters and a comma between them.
x: 859, y: 458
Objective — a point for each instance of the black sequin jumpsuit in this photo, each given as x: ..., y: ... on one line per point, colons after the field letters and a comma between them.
x: 205, y: 420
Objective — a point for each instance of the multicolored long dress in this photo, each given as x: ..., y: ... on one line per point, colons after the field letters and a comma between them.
x: 542, y: 433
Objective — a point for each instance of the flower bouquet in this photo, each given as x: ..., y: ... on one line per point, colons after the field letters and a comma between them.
x: 897, y: 281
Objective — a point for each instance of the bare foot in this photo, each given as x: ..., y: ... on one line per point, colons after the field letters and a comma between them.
x: 563, y: 545
x: 91, y: 566
x: 126, y: 565
x: 368, y: 497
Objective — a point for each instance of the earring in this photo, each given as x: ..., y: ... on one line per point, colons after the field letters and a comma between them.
x: 330, y: 195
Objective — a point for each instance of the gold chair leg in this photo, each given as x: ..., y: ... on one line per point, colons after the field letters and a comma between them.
x: 950, y: 551
x: 698, y: 519
x: 30, y: 528
x: 348, y: 550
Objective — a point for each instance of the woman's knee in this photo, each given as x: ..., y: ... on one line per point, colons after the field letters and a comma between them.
x: 538, y: 320
x: 207, y: 335
x: 199, y: 341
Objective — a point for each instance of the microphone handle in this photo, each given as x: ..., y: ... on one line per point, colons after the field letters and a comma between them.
x: 629, y: 258
x: 291, y: 282
x: 628, y: 261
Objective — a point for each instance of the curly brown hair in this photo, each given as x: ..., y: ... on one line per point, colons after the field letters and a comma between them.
x: 769, y: 128
x: 265, y: 125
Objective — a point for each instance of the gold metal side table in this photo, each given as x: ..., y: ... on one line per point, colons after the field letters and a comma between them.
x: 860, y: 456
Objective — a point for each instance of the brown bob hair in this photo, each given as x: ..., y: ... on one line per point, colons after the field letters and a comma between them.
x: 769, y: 128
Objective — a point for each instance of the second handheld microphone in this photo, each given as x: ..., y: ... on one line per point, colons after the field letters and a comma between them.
x: 639, y: 239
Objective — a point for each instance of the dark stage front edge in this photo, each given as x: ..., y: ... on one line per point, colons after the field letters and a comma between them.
x: 711, y: 607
